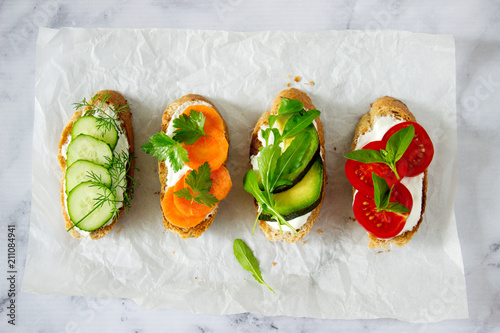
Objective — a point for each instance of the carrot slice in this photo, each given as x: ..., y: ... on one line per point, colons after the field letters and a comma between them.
x: 173, y: 214
x: 212, y: 149
x: 212, y: 118
x: 187, y: 207
x: 221, y: 185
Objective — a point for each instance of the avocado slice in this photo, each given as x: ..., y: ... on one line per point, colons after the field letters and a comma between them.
x: 301, y: 198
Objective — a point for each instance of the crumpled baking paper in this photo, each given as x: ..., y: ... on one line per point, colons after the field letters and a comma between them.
x: 331, y: 273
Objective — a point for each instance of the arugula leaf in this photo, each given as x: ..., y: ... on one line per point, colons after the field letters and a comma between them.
x: 291, y: 158
x: 248, y: 261
x: 298, y: 122
x: 163, y: 147
x: 266, y: 135
x: 189, y: 128
x: 395, y: 148
x: 272, y: 119
x: 267, y: 162
x: 290, y: 106
x: 199, y: 183
x: 382, y: 195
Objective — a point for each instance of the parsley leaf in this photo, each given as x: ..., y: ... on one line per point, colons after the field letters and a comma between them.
x: 163, y: 147
x: 189, y: 128
x: 248, y: 261
x: 199, y: 183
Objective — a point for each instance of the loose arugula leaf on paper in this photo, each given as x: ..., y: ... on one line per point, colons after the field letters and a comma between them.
x: 248, y: 261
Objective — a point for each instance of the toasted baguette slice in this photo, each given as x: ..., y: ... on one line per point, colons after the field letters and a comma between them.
x: 271, y: 233
x: 113, y: 99
x: 388, y: 106
x: 196, y: 231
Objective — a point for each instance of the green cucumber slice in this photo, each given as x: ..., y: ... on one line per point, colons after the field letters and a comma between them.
x: 86, y: 147
x: 86, y: 207
x: 301, y: 198
x: 84, y: 171
x: 91, y: 125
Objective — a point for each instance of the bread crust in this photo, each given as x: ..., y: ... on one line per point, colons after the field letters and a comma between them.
x: 116, y: 99
x: 271, y: 233
x: 389, y: 106
x: 197, y: 230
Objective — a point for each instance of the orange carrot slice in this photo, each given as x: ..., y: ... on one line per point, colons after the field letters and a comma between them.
x: 212, y: 118
x: 173, y: 214
x: 212, y: 149
x: 221, y: 183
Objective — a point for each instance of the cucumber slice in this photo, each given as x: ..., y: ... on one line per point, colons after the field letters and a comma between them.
x: 84, y: 209
x: 301, y: 198
x: 84, y: 171
x: 86, y: 147
x: 90, y: 125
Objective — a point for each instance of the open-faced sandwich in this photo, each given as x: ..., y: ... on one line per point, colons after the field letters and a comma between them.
x: 192, y: 150
x: 387, y: 167
x: 287, y: 178
x: 96, y: 156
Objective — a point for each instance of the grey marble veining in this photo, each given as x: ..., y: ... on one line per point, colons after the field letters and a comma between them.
x: 475, y: 26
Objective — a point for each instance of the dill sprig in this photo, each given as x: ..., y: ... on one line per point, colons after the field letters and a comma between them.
x: 105, y: 121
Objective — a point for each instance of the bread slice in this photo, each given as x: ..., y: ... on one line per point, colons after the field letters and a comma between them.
x: 113, y: 99
x: 389, y: 106
x: 271, y: 233
x: 197, y: 230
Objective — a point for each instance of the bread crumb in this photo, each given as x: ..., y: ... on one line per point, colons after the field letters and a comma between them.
x: 303, y: 242
x: 173, y: 252
x: 288, y: 76
x: 297, y: 79
x: 288, y: 84
x: 319, y: 231
x: 352, y: 219
x: 155, y: 170
x: 119, y: 229
x: 312, y: 83
x: 157, y: 192
x: 196, y: 278
x: 274, y: 264
x: 334, y: 148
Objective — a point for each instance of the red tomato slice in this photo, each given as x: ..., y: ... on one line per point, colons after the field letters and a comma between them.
x: 421, y: 150
x: 360, y: 174
x: 383, y: 224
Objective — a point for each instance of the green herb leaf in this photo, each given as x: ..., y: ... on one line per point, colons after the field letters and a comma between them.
x: 189, y: 128
x: 290, y: 160
x: 248, y: 261
x: 382, y: 192
x: 272, y: 119
x: 396, y: 207
x: 164, y: 147
x: 266, y: 135
x: 399, y: 142
x: 267, y: 162
x: 290, y: 106
x: 200, y: 184
x: 298, y: 122
x: 366, y: 156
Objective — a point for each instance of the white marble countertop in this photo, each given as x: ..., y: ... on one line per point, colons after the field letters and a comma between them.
x: 475, y: 27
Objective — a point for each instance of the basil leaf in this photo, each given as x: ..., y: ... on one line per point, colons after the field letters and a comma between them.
x: 366, y: 156
x: 290, y: 106
x: 298, y: 122
x: 248, y: 261
x: 290, y: 160
x: 381, y: 192
x: 396, y: 207
x: 399, y: 142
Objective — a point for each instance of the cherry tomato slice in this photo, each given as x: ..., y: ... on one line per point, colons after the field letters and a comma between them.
x: 360, y: 174
x: 421, y: 150
x: 383, y: 224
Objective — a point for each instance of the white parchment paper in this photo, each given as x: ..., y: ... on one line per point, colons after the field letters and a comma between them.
x: 332, y: 273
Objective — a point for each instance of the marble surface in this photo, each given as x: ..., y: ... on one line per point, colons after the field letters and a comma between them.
x: 475, y: 27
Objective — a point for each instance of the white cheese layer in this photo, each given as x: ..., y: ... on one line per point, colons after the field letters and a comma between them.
x: 414, y: 184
